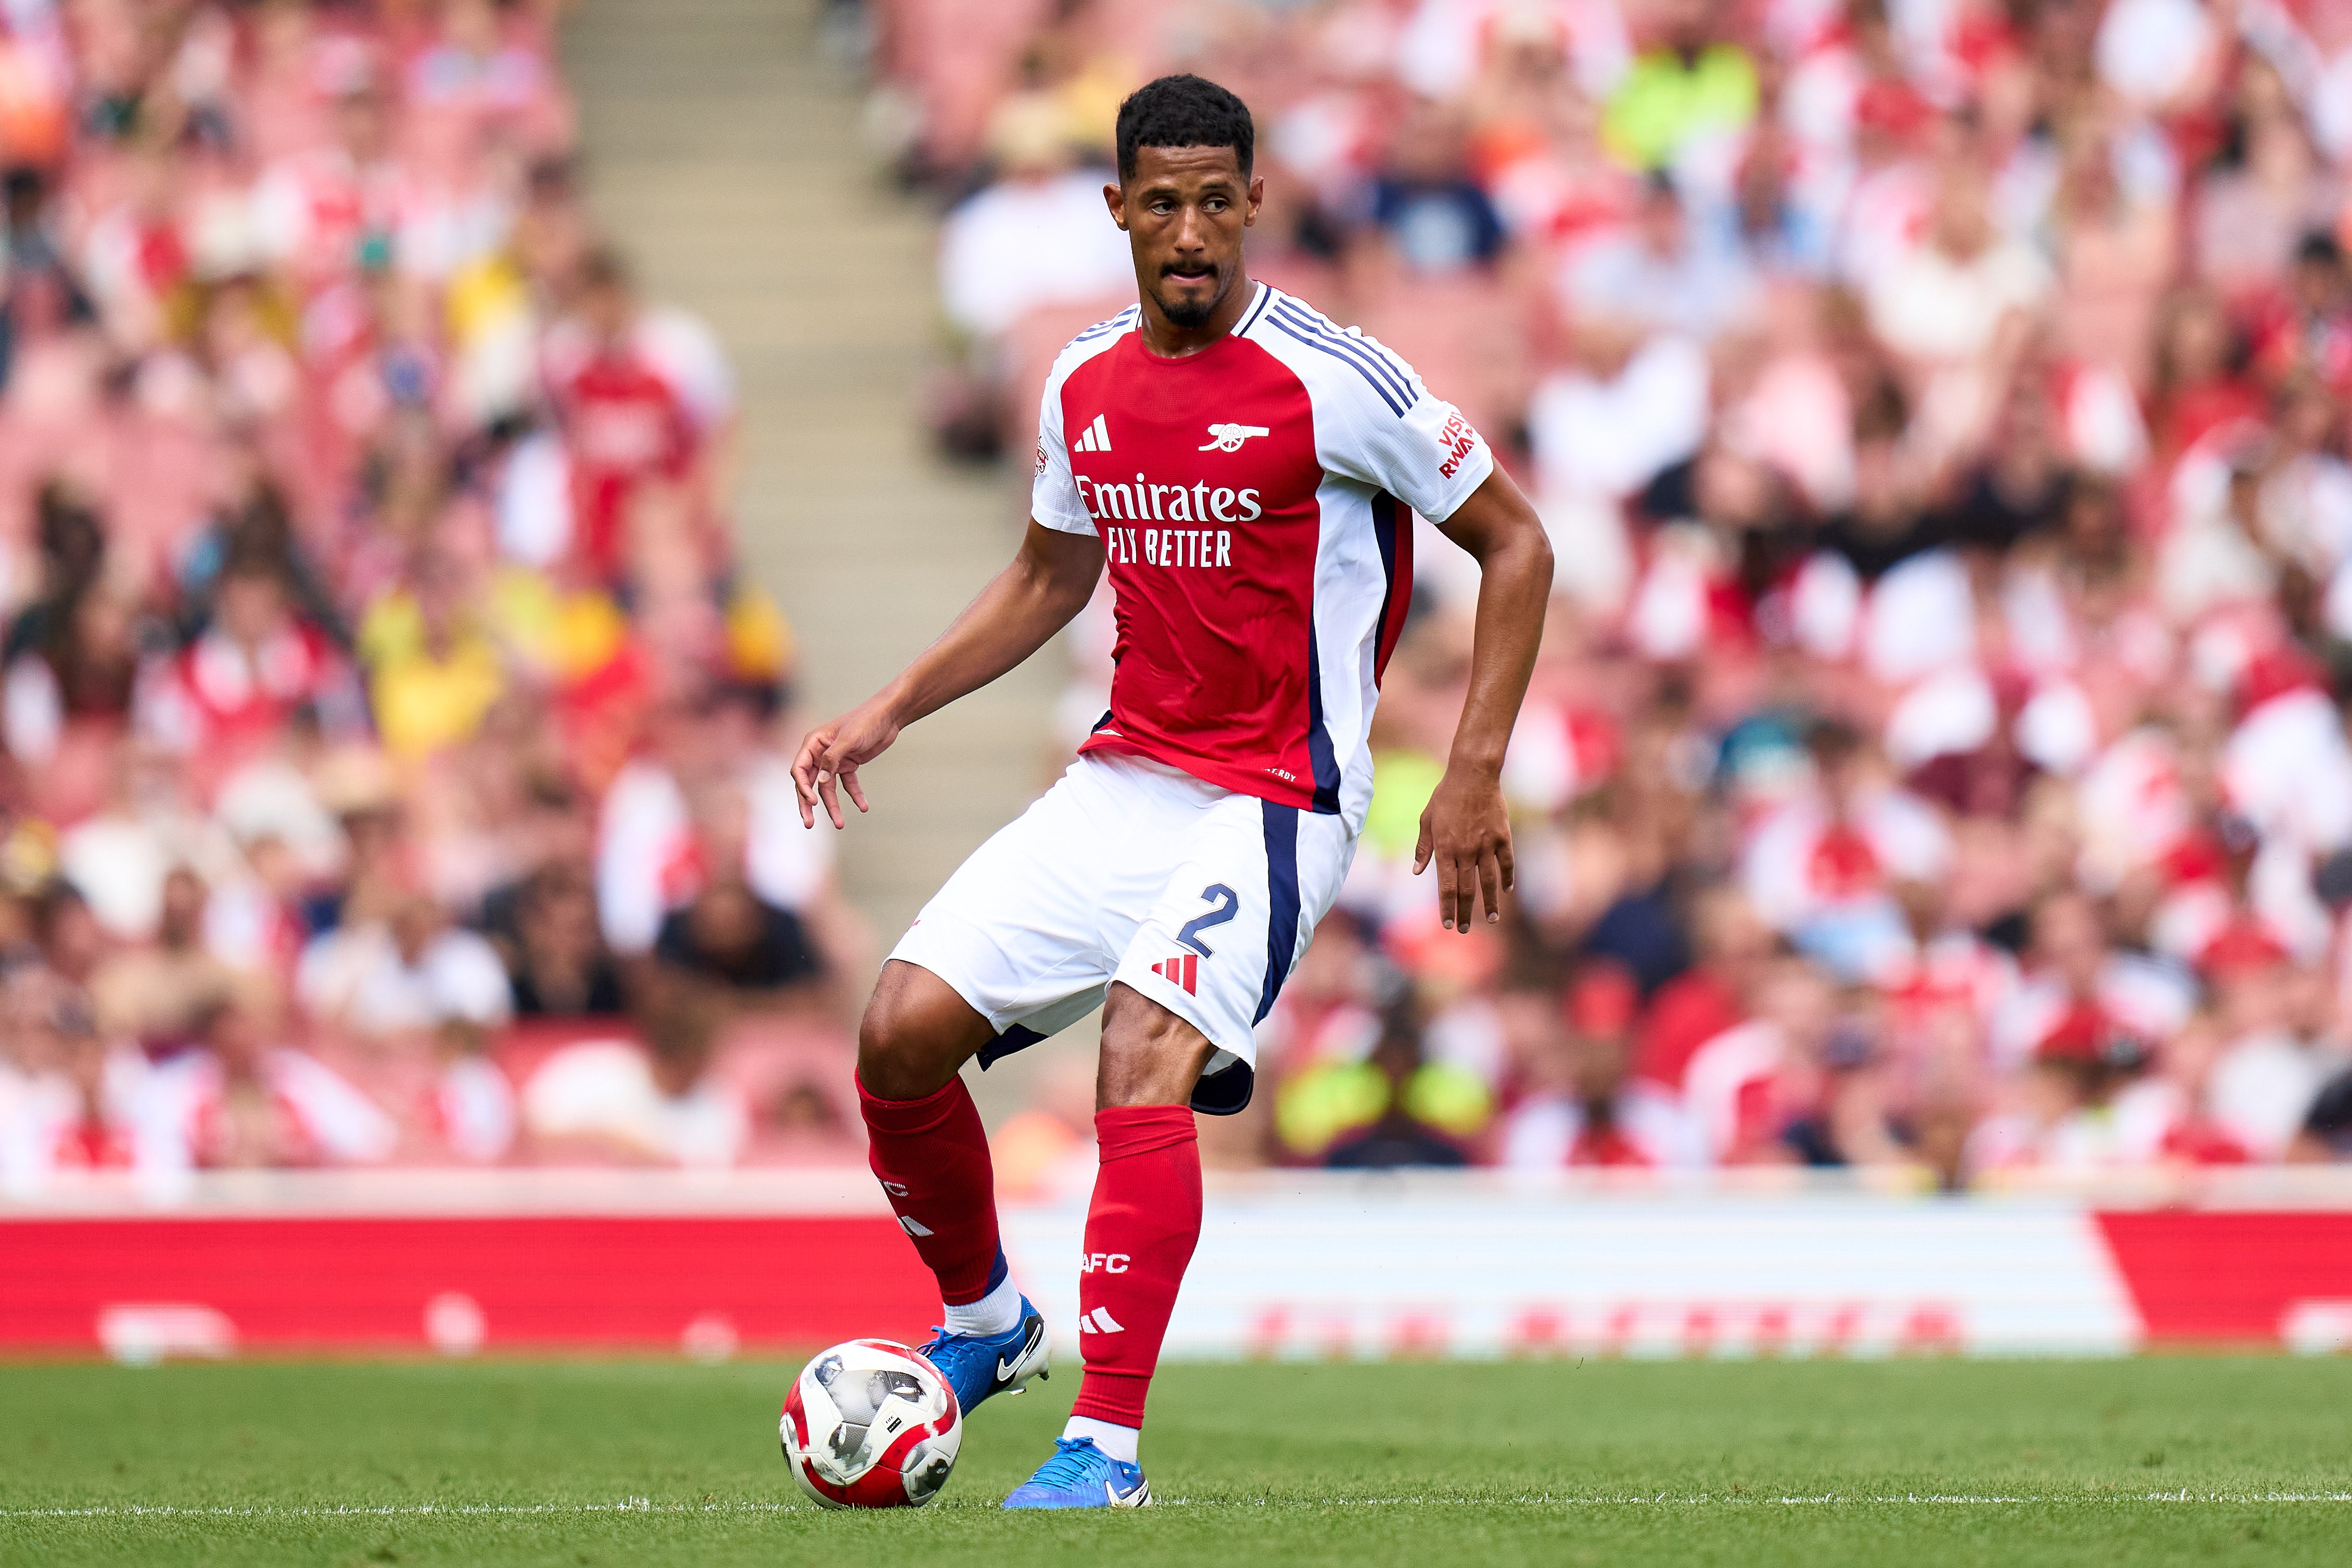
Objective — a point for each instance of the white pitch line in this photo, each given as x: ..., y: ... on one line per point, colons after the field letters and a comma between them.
x: 1661, y: 1500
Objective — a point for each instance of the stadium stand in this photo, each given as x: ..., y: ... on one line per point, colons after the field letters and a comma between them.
x: 1938, y: 756
x: 1937, y: 759
x: 390, y: 734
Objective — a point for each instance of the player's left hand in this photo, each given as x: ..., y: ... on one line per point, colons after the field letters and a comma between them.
x: 1465, y: 830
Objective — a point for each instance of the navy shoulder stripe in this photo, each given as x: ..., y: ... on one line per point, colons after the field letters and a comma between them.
x: 1353, y: 341
x: 1354, y: 336
x: 1354, y: 345
x: 1099, y: 328
x: 1371, y: 376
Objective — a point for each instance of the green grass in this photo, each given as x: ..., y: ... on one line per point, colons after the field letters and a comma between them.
x: 1753, y: 1465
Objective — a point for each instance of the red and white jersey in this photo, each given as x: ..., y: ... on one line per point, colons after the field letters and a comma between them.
x: 1252, y: 501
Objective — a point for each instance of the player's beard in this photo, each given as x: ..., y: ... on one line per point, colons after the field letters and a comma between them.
x: 1189, y: 311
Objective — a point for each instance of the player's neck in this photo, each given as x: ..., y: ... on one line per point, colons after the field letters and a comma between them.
x: 1169, y: 342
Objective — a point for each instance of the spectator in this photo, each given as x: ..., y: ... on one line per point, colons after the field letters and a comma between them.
x: 239, y: 1102
x: 1581, y: 1105
x: 646, y: 404
x: 1693, y: 87
x: 657, y: 1103
x: 558, y: 965
x: 411, y: 972
x: 728, y: 935
x: 160, y: 996
x: 1036, y: 236
x: 1663, y: 275
x: 1408, y: 1097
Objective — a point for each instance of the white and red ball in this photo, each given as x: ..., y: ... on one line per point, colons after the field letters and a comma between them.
x: 870, y: 1423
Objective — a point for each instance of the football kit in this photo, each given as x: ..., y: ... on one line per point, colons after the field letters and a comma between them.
x: 1253, y: 502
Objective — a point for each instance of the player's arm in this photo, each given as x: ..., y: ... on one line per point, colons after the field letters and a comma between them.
x: 1048, y: 583
x: 1465, y: 830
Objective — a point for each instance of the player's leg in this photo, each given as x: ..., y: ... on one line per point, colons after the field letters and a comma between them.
x: 1013, y: 931
x: 926, y: 1142
x: 1141, y: 1228
x: 1145, y: 1217
x: 1203, y: 968
x: 929, y: 1152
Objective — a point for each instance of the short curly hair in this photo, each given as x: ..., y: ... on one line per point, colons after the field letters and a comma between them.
x: 1184, y: 110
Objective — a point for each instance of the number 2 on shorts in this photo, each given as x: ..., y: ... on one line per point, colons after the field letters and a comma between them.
x: 1227, y: 907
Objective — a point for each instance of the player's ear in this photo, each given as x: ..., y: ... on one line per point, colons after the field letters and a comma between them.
x: 1256, y: 199
x: 1115, y: 198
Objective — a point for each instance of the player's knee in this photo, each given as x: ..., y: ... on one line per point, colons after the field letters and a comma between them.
x: 1149, y: 1056
x: 904, y: 1050
x: 889, y: 1060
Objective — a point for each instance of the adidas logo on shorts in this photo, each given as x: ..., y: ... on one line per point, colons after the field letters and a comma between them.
x: 1184, y: 970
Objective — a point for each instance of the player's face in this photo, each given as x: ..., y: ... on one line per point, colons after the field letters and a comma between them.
x: 1184, y: 211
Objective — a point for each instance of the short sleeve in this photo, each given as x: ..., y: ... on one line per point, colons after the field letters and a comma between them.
x: 1054, y: 495
x: 1382, y: 427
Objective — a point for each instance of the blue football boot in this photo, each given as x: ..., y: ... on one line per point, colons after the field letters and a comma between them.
x: 1080, y: 1475
x: 980, y: 1365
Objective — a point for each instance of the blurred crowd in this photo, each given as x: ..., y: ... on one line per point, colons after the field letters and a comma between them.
x: 1937, y: 757
x: 391, y: 757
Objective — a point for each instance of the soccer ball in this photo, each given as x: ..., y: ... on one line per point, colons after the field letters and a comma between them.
x: 870, y: 1423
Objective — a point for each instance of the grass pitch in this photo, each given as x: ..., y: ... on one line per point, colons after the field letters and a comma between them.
x: 1753, y: 1464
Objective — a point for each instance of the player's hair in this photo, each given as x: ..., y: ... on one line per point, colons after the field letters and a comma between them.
x: 1184, y: 110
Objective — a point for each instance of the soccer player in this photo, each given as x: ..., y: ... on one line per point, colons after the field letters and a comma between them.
x: 1244, y: 468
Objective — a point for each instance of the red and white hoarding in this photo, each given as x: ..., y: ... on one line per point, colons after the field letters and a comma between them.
x: 1289, y: 1266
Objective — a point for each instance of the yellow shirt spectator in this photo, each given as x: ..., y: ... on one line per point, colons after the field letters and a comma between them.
x: 1667, y: 100
x: 428, y: 692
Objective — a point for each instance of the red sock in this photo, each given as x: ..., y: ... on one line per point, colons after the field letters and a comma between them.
x: 931, y: 1157
x: 1140, y: 1230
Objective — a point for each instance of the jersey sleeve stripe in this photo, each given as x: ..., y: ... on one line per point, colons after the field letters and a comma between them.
x: 1113, y: 325
x: 1358, y: 351
x: 1399, y: 378
x: 1386, y: 396
x: 1282, y: 901
x: 1380, y: 352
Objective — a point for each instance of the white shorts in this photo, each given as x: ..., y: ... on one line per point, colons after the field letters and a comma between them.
x: 1199, y: 898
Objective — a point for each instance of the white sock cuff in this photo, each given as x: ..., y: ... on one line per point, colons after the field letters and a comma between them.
x: 998, y: 1312
x: 1118, y: 1442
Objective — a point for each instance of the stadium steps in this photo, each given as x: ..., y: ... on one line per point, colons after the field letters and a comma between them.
x: 722, y: 150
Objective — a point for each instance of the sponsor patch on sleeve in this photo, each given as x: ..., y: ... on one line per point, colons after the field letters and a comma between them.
x: 1457, y: 441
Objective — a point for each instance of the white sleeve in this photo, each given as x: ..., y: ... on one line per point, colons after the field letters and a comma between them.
x: 1053, y: 494
x: 1376, y: 424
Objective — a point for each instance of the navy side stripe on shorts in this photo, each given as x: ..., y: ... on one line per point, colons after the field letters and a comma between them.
x: 1282, y: 901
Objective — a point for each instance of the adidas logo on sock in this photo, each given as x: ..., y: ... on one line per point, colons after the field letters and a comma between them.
x: 1184, y: 970
x: 1099, y: 1320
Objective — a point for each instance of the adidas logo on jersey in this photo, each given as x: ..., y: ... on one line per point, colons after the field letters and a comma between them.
x: 1097, y: 437
x: 1099, y: 1320
x: 1229, y: 437
x: 1184, y: 970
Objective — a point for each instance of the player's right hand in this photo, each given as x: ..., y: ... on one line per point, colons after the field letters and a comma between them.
x: 830, y: 756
